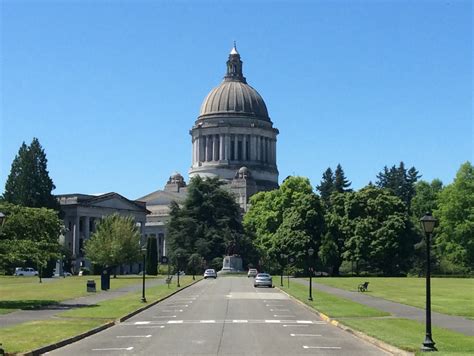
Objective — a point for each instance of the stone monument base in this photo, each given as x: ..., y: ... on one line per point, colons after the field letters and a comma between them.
x: 232, y: 264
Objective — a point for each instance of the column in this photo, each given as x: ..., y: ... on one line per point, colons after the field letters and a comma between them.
x: 236, y: 147
x: 208, y: 148
x: 267, y: 158
x: 202, y: 140
x: 227, y: 147
x: 253, y: 148
x: 221, y: 147
x: 216, y: 147
x: 244, y: 148
x: 75, y: 236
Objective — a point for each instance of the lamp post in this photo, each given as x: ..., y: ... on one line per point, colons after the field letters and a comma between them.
x: 310, y: 253
x: 282, y: 257
x: 178, y: 256
x: 428, y: 223
x: 144, y: 273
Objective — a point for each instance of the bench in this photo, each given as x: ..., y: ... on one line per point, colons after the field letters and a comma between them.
x: 168, y: 279
x: 363, y: 287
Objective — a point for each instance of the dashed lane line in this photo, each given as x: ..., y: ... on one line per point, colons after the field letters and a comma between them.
x: 286, y: 323
x: 302, y: 335
x: 115, y: 349
x: 129, y: 336
x: 322, y: 347
x: 151, y: 327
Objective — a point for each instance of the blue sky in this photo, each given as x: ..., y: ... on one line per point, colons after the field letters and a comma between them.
x: 112, y: 88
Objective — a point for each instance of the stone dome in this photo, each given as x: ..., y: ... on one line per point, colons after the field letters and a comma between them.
x: 234, y: 96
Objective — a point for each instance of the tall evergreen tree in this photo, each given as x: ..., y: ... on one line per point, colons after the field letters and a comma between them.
x: 326, y: 187
x: 400, y: 181
x: 29, y: 183
x: 341, y: 183
x: 152, y: 256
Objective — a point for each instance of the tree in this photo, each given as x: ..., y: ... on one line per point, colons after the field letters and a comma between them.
x: 341, y: 183
x: 454, y: 236
x: 400, y: 181
x: 326, y: 187
x: 152, y: 256
x: 426, y: 197
x: 28, y: 183
x: 195, y: 264
x: 288, y: 220
x: 115, y: 242
x: 381, y: 233
x: 29, y: 237
x: 207, y: 223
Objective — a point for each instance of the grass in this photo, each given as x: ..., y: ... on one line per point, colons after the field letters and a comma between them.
x: 27, y: 293
x: 453, y: 296
x: 403, y: 333
x: 28, y: 336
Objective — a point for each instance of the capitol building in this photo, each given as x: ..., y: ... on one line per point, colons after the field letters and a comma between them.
x: 233, y: 138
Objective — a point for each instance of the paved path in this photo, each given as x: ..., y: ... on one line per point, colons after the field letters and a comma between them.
x: 454, y: 323
x: 23, y: 316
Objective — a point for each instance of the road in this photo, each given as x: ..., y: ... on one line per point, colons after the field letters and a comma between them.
x: 226, y: 316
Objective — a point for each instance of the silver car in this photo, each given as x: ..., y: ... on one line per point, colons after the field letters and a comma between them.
x: 263, y: 280
x: 210, y: 273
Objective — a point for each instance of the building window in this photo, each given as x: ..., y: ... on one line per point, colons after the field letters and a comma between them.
x: 232, y: 150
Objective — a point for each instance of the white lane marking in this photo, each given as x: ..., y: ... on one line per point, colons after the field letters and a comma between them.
x: 304, y: 321
x: 115, y: 349
x: 229, y: 295
x: 175, y: 321
x: 172, y: 311
x: 179, y: 305
x: 207, y: 321
x: 286, y: 325
x: 277, y: 310
x: 240, y: 321
x: 126, y: 336
x: 282, y: 316
x: 273, y: 305
x: 151, y: 327
x: 305, y: 335
x: 322, y: 347
x: 164, y: 316
x: 142, y: 322
x: 272, y: 321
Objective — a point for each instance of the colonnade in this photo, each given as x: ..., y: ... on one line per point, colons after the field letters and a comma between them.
x: 234, y: 147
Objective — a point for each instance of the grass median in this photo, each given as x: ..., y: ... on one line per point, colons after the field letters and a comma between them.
x: 32, y: 335
x: 403, y: 333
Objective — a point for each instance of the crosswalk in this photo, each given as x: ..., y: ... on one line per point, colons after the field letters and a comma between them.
x: 230, y: 321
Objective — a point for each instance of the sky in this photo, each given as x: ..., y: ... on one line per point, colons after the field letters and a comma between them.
x: 112, y: 88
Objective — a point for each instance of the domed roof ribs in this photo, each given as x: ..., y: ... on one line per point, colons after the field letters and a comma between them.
x: 234, y: 67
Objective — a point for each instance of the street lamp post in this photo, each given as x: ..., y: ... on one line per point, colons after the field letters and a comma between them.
x: 282, y: 256
x: 144, y: 272
x: 428, y: 223
x: 310, y: 254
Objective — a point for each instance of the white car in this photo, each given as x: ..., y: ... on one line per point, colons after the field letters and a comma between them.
x: 210, y: 273
x: 263, y: 280
x: 25, y: 271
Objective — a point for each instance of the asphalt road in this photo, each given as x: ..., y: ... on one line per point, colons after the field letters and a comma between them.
x: 227, y: 316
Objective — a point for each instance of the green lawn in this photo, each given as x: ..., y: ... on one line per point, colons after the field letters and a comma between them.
x: 27, y: 293
x: 453, y: 296
x: 403, y: 333
x: 28, y: 336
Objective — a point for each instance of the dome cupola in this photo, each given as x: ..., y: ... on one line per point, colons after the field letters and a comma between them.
x: 234, y: 96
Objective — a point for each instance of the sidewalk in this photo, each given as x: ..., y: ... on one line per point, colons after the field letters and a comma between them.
x: 49, y: 312
x: 454, y: 323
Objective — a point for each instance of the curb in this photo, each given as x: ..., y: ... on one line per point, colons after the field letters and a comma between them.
x: 57, y: 345
x: 380, y: 344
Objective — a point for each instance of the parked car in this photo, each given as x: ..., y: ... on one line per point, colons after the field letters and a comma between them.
x: 25, y: 271
x: 252, y: 272
x: 210, y: 273
x: 263, y: 280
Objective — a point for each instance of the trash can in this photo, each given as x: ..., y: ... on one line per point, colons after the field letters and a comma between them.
x: 91, y: 285
x: 105, y: 280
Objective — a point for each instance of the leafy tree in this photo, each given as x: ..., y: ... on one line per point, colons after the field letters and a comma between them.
x: 115, y: 242
x: 152, y: 256
x: 400, y: 181
x: 207, y: 223
x: 454, y: 237
x: 288, y: 220
x: 426, y: 197
x: 326, y: 187
x: 28, y: 183
x: 381, y: 233
x: 341, y: 183
x: 29, y: 237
